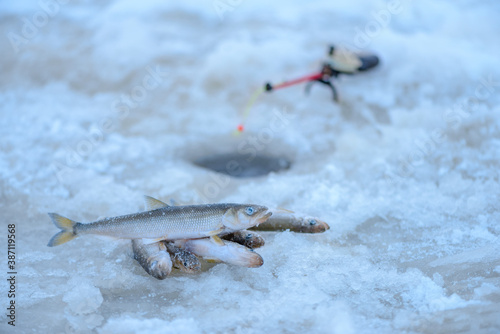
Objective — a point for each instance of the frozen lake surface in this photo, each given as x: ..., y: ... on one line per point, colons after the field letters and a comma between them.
x: 102, y: 102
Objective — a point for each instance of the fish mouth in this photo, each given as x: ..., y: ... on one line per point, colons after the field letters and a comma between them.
x: 249, y: 259
x: 256, y: 262
x: 263, y: 218
x: 321, y: 227
x: 193, y: 270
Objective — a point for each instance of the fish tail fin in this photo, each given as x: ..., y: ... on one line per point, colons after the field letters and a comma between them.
x: 68, y: 230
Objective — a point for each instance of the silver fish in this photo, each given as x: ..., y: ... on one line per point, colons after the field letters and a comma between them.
x: 283, y: 219
x: 246, y: 238
x: 229, y: 252
x: 154, y: 258
x: 166, y: 222
x: 185, y: 261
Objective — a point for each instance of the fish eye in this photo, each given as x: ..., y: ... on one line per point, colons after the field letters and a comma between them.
x: 249, y: 210
x: 185, y: 264
x: 312, y: 222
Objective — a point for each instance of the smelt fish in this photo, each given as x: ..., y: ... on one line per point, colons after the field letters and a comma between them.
x: 163, y: 222
x: 246, y: 238
x: 153, y: 258
x: 282, y: 220
x: 226, y: 251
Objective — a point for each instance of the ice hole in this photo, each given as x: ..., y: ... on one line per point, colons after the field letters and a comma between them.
x: 243, y: 165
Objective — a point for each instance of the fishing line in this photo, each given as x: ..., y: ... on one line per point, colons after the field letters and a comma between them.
x: 246, y: 110
x: 269, y: 87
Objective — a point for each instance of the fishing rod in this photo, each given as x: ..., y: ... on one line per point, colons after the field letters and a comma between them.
x: 339, y: 61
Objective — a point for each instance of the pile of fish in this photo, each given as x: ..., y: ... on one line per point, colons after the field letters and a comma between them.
x: 177, y: 236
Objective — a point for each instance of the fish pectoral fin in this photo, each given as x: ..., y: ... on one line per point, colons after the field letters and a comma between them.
x: 214, y: 233
x: 212, y: 260
x: 217, y: 240
x: 153, y: 203
x: 151, y: 241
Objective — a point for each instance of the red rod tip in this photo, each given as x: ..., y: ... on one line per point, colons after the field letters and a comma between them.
x: 299, y: 80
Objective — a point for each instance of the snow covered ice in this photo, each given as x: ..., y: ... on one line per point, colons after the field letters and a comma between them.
x: 102, y: 102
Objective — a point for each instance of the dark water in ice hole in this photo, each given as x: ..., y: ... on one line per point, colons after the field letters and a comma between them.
x: 239, y: 165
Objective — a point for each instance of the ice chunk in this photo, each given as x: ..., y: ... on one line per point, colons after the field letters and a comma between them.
x: 83, y: 297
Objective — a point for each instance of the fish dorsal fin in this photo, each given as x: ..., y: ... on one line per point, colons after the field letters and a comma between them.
x: 285, y: 210
x: 153, y: 203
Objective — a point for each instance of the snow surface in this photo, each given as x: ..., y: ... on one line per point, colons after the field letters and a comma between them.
x: 405, y: 170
